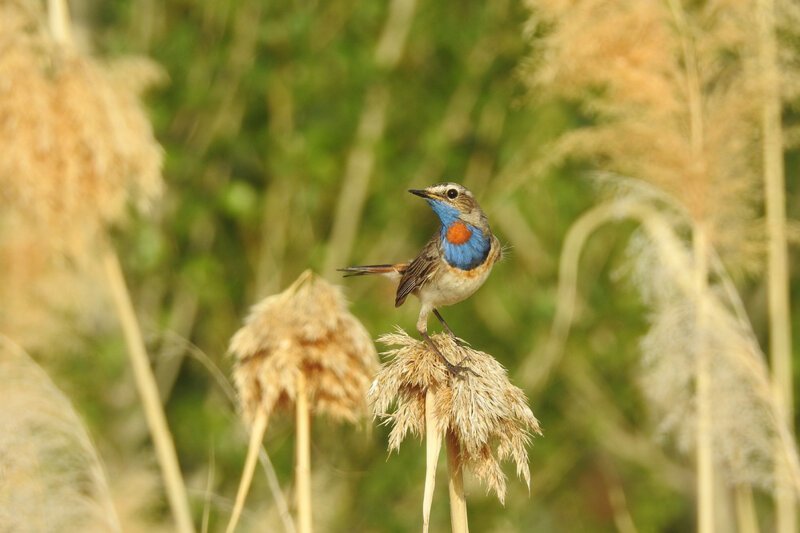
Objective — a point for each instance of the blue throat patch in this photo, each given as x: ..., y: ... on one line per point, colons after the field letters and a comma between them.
x: 465, y: 256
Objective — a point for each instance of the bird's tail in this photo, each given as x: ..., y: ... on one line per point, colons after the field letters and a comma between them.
x: 391, y: 270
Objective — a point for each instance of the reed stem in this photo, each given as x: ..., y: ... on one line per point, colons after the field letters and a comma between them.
x: 705, y: 459
x: 59, y: 22
x: 433, y: 444
x: 458, y: 500
x: 148, y: 391
x: 303, y: 457
x: 746, y: 517
x: 256, y: 435
x: 780, y: 341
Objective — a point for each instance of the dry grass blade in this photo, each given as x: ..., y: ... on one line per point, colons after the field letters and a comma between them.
x: 433, y: 445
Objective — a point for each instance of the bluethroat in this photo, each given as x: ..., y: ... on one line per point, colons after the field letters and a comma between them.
x: 452, y: 266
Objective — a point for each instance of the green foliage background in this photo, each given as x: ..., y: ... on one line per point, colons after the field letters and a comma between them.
x: 256, y: 120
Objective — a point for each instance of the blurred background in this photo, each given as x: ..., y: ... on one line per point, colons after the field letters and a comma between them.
x: 291, y: 132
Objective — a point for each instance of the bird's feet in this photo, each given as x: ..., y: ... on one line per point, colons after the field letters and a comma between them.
x: 449, y: 331
x: 458, y: 370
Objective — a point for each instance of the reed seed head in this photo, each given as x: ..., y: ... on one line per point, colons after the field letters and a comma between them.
x: 488, y: 416
x: 746, y: 422
x: 671, y: 91
x: 307, y: 329
x: 51, y: 476
x: 78, y: 146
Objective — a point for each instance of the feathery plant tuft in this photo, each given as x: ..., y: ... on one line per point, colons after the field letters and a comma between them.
x: 304, y: 330
x: 672, y: 99
x: 51, y: 476
x: 484, y: 417
x: 746, y: 420
x: 82, y: 145
x: 301, y: 348
x: 79, y: 150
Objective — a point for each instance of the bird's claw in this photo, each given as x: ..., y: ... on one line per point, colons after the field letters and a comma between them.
x: 458, y: 370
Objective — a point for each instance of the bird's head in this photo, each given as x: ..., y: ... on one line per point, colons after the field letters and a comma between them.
x: 452, y: 202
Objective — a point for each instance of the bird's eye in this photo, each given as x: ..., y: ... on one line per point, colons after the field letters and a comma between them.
x: 452, y: 194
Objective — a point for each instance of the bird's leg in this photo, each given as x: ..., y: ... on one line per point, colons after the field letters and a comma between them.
x: 422, y: 328
x: 447, y: 328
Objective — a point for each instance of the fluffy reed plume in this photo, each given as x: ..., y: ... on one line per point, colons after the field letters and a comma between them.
x: 484, y: 417
x: 51, y: 477
x: 300, y: 349
x: 675, y: 92
x: 44, y: 296
x: 78, y: 149
x: 746, y: 419
x: 673, y: 102
x: 78, y: 145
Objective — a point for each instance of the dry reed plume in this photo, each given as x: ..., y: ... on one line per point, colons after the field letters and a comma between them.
x: 51, y: 477
x: 79, y: 146
x: 44, y: 295
x: 77, y: 149
x: 675, y: 92
x: 746, y: 421
x: 484, y: 417
x: 300, y: 349
x: 673, y: 100
x: 304, y: 330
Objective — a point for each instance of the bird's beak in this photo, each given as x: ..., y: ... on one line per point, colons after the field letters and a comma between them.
x: 422, y: 193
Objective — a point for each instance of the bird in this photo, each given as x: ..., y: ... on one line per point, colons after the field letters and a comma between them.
x: 453, y: 264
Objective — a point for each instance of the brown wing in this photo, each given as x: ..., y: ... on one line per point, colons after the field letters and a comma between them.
x: 419, y: 271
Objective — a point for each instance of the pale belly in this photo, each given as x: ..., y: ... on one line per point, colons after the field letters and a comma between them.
x: 452, y: 285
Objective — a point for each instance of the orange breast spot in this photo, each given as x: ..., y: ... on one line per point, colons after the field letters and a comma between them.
x: 458, y: 233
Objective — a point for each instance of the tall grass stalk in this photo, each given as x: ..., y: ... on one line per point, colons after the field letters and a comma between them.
x: 433, y: 445
x: 59, y: 21
x: 746, y: 516
x: 455, y: 486
x: 148, y: 391
x: 780, y: 342
x: 705, y: 453
x: 302, y: 469
x: 705, y: 456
